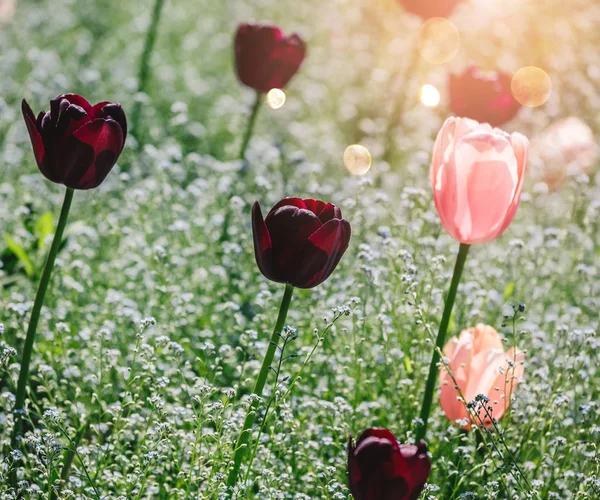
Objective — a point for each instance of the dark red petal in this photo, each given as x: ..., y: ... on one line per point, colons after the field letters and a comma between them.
x: 96, y: 111
x: 419, y: 466
x: 332, y: 240
x: 265, y: 59
x: 37, y: 143
x: 483, y: 96
x: 77, y: 100
x: 102, y: 135
x: 379, y: 433
x: 39, y: 119
x: 262, y: 244
x: 89, y: 155
x: 70, y: 118
x: 315, y: 206
x: 381, y: 467
x: 115, y: 111
x: 292, y: 202
x: 290, y: 228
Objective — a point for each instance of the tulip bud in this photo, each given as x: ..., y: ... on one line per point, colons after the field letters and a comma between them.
x: 75, y: 143
x: 483, y: 96
x: 300, y: 242
x: 430, y: 8
x: 477, y: 177
x: 264, y: 58
x: 380, y: 468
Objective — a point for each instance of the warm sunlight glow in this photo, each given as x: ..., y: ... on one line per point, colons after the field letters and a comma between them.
x: 430, y: 96
x: 531, y: 86
x: 439, y: 41
x: 357, y: 159
x: 275, y: 98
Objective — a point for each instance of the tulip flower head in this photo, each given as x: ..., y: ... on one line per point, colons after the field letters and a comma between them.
x: 75, y: 143
x: 567, y: 148
x: 479, y: 365
x: 430, y: 8
x: 483, y: 96
x: 265, y: 59
x: 477, y: 175
x: 380, y: 468
x: 300, y: 242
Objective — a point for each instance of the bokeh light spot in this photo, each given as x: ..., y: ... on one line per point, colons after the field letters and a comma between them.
x: 357, y: 159
x: 531, y: 86
x: 275, y: 98
x: 439, y: 40
x: 430, y: 96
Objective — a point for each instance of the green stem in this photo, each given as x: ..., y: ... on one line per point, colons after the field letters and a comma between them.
x: 144, y: 72
x: 250, y: 126
x: 441, y: 338
x: 242, y: 156
x: 242, y: 441
x: 35, y: 317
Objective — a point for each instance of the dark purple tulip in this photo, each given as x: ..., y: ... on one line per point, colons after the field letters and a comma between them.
x: 300, y: 242
x: 381, y: 469
x: 75, y: 143
x: 430, y: 8
x: 483, y: 96
x: 264, y: 58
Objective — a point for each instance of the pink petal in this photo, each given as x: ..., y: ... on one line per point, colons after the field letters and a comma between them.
x: 485, y: 337
x: 487, y: 179
x: 520, y: 145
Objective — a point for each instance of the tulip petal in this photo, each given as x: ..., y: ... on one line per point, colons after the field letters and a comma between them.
x: 378, y: 432
x: 115, y: 111
x: 324, y: 211
x: 485, y: 337
x: 262, y: 244
x: 326, y: 247
x: 290, y: 228
x: 487, y: 179
x: 490, y: 376
x: 520, y: 145
x: 292, y: 202
x: 418, y: 465
x: 76, y: 100
x: 443, y: 171
x: 91, y: 152
x: 505, y: 383
x: 265, y: 59
x: 460, y: 363
x: 37, y: 143
x: 453, y: 408
x: 107, y: 109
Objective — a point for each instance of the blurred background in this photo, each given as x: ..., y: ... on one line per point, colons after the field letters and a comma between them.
x: 361, y: 67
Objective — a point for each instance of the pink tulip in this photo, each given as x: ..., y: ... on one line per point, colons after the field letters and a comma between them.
x: 566, y: 148
x: 477, y: 177
x: 480, y: 366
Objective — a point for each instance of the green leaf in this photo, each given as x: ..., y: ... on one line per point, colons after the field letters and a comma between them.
x: 508, y: 291
x: 44, y: 227
x: 21, y: 254
x: 407, y: 364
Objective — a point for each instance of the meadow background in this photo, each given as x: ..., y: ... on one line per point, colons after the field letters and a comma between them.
x: 153, y: 330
